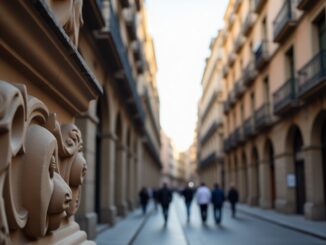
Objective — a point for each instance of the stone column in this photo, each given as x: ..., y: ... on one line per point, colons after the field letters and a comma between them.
x: 285, y: 196
x: 120, y: 189
x: 108, y: 209
x: 86, y: 216
x: 265, y: 185
x: 242, y: 184
x: 253, y: 181
x: 314, y: 207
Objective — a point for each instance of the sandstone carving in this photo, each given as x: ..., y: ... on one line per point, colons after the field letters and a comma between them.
x: 41, y: 168
x: 69, y: 15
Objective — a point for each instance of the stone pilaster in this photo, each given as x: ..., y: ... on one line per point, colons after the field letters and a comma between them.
x: 285, y: 196
x: 314, y: 207
x: 121, y: 182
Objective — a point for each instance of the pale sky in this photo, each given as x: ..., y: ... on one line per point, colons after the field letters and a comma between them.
x: 182, y: 31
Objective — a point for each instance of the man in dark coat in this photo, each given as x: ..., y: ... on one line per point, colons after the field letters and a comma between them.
x: 144, y: 197
x: 188, y: 194
x: 233, y: 197
x: 217, y: 201
x: 165, y: 198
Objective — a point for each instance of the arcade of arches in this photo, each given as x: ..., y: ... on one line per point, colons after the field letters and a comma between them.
x: 284, y: 168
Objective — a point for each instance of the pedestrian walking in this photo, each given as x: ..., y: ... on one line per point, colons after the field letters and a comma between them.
x: 188, y: 194
x: 233, y: 197
x: 203, y: 196
x: 165, y: 198
x: 144, y: 197
x: 217, y: 201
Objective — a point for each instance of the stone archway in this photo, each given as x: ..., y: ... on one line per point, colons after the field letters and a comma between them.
x: 269, y: 175
x: 101, y: 158
x: 254, y: 177
x: 295, y: 145
x: 315, y: 207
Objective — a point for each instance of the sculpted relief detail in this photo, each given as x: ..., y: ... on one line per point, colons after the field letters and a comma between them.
x: 42, y: 167
x: 69, y: 16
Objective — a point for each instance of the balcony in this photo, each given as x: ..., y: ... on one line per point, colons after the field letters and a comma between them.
x: 258, y: 5
x: 239, y: 43
x: 248, y: 128
x: 285, y: 97
x: 306, y: 4
x: 231, y: 58
x: 226, y: 106
x: 233, y: 141
x: 110, y: 41
x: 261, y: 55
x: 211, y: 158
x: 249, y: 73
x: 263, y: 116
x: 285, y: 21
x: 130, y: 19
x: 312, y: 77
x: 210, y: 132
x: 248, y: 23
x: 239, y: 88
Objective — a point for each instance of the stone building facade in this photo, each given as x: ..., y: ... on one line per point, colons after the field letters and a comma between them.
x: 273, y: 71
x: 68, y: 64
x: 210, y: 118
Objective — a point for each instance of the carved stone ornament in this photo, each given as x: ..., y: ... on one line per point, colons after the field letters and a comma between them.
x: 69, y: 15
x: 42, y: 169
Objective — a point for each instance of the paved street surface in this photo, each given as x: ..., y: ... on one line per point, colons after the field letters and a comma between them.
x: 242, y: 230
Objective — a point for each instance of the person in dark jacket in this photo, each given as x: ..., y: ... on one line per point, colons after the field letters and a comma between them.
x: 217, y: 201
x: 188, y: 194
x: 233, y: 197
x: 165, y: 198
x: 144, y: 197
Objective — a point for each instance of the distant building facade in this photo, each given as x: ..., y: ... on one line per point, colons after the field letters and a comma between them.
x: 210, y: 119
x: 274, y: 110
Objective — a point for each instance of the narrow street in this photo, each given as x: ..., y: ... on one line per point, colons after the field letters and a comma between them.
x: 242, y: 230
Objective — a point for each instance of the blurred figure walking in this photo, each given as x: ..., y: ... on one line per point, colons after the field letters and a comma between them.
x: 217, y: 201
x: 233, y: 197
x: 203, y: 196
x: 188, y: 194
x: 165, y: 198
x: 144, y: 197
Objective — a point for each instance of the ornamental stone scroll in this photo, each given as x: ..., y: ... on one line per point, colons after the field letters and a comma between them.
x: 41, y: 170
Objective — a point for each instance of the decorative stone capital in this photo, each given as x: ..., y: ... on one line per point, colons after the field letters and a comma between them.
x: 42, y: 168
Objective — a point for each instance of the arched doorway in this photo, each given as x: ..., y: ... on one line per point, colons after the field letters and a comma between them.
x: 117, y: 163
x: 255, y: 176
x: 299, y: 172
x: 101, y: 165
x: 271, y: 170
x: 245, y: 176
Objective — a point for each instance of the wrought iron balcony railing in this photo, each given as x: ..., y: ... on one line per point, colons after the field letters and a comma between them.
x: 211, y: 158
x: 261, y: 55
x: 249, y: 128
x: 312, y: 76
x: 258, y: 5
x: 239, y: 88
x: 284, y: 97
x: 210, y: 132
x: 263, y: 116
x: 248, y: 23
x: 306, y: 4
x: 249, y: 73
x: 226, y: 145
x: 285, y: 21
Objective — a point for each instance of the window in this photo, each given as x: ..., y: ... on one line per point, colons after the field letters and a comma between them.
x: 289, y: 63
x: 242, y: 112
x: 252, y: 102
x: 321, y: 30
